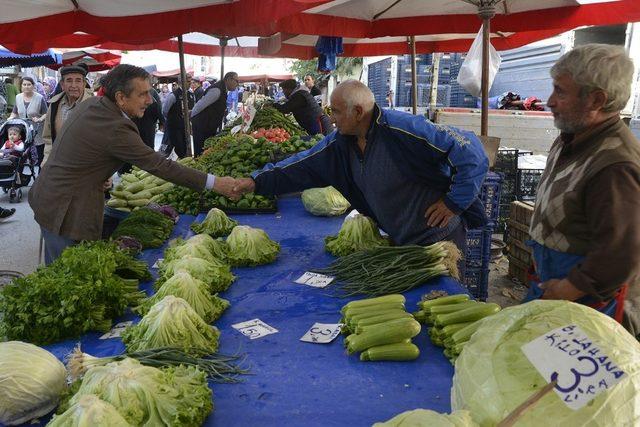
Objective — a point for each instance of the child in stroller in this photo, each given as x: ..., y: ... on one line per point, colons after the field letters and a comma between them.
x: 18, y: 151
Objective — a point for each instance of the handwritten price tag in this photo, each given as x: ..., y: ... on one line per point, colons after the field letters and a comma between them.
x: 117, y: 330
x: 322, y: 333
x: 314, y: 279
x: 567, y: 355
x: 157, y: 263
x: 254, y: 329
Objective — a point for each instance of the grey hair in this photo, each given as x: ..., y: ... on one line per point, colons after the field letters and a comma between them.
x: 358, y: 94
x: 599, y: 67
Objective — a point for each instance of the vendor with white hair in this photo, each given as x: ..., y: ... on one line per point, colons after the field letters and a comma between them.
x: 586, y: 223
x: 419, y: 181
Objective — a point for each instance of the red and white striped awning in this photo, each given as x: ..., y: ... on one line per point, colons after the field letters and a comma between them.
x: 140, y: 21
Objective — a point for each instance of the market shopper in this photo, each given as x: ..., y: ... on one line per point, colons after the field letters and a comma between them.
x: 586, y: 223
x: 174, y: 133
x: 417, y: 180
x: 208, y: 113
x: 311, y: 85
x: 31, y: 105
x: 72, y: 84
x: 304, y: 108
x: 99, y: 136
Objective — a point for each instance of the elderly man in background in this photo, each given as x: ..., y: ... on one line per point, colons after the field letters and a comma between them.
x: 586, y: 223
x: 417, y: 180
x: 72, y: 83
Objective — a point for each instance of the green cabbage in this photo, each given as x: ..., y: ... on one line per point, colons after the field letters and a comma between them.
x: 216, y: 224
x: 429, y: 418
x: 357, y: 234
x: 215, y: 274
x: 493, y: 376
x: 325, y: 201
x: 147, y: 396
x: 31, y: 381
x: 251, y: 246
x: 172, y: 323
x: 193, y: 291
x: 89, y: 411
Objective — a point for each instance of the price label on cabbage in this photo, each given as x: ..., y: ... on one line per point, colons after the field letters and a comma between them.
x: 322, y: 333
x: 117, y: 330
x: 582, y: 371
x: 157, y: 263
x: 254, y: 329
x: 314, y: 279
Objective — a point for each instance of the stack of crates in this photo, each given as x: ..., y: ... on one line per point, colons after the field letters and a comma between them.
x: 478, y: 255
x: 379, y: 80
x: 507, y: 165
x: 520, y: 255
x: 459, y: 96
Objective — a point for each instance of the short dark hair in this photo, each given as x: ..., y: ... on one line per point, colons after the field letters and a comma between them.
x: 230, y: 75
x: 29, y: 79
x: 120, y: 79
x: 289, y: 84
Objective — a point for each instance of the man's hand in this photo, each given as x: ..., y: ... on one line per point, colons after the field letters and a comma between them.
x: 224, y: 185
x: 438, y: 214
x: 560, y: 289
x: 244, y: 185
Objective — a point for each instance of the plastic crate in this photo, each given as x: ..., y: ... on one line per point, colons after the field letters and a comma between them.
x: 476, y: 280
x: 478, y: 247
x: 527, y: 183
x: 490, y: 196
x: 507, y: 162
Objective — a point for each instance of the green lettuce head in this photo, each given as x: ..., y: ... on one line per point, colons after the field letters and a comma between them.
x: 89, y: 411
x: 147, y: 396
x: 193, y: 291
x: 251, y: 246
x: 325, y: 201
x: 216, y: 274
x: 493, y: 376
x: 357, y: 234
x: 172, y: 323
x: 31, y: 381
x: 429, y: 418
x: 215, y: 224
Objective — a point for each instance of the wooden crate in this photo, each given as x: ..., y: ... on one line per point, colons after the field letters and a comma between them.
x: 518, y: 270
x: 517, y: 232
x: 520, y: 251
x: 521, y: 212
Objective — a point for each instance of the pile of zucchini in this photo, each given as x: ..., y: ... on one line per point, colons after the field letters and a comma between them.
x: 453, y: 319
x: 380, y: 329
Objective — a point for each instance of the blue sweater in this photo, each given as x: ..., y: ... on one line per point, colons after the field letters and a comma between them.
x: 448, y: 161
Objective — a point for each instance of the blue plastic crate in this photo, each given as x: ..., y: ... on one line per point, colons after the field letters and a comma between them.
x: 478, y: 247
x: 476, y: 280
x: 490, y: 196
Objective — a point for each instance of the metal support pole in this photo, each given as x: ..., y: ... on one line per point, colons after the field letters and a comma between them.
x: 223, y: 45
x: 185, y: 101
x: 485, y: 13
x: 435, y: 73
x: 414, y: 76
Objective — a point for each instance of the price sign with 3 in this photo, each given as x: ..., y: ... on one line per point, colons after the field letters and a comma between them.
x: 314, y: 279
x: 322, y: 333
x: 567, y: 355
x: 253, y: 329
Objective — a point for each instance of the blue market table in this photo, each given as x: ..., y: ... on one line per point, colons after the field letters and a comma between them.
x: 295, y: 383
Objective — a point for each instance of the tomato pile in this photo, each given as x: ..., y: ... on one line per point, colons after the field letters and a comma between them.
x: 274, y: 135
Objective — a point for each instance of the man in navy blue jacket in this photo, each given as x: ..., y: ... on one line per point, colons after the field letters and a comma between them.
x: 418, y: 180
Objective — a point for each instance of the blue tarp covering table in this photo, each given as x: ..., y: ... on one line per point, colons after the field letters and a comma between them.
x: 295, y: 383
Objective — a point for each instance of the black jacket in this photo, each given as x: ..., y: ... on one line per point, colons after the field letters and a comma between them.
x: 304, y: 108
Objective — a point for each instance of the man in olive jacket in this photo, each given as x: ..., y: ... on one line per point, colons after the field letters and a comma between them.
x: 98, y: 137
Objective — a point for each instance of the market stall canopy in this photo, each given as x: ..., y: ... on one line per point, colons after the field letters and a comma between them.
x: 8, y: 58
x: 95, y: 59
x: 265, y: 77
x: 382, y: 18
x: 141, y: 21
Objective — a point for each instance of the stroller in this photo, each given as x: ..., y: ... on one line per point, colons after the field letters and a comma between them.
x: 13, y: 174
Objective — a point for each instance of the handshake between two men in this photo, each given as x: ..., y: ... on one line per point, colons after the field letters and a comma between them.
x: 233, y: 188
